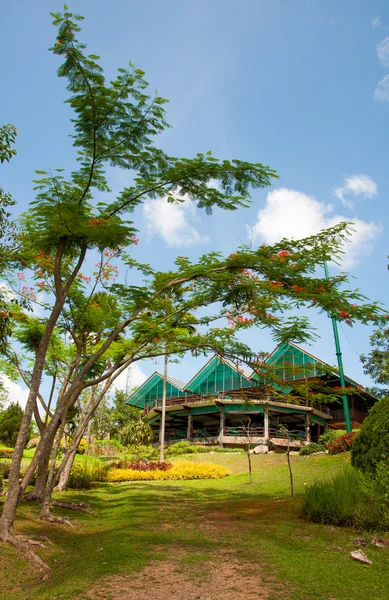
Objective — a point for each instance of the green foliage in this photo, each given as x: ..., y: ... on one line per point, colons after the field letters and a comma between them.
x: 5, y: 467
x: 350, y: 499
x: 312, y: 448
x: 376, y: 363
x: 122, y: 414
x: 372, y: 444
x: 6, y: 452
x: 343, y: 443
x: 137, y: 433
x: 7, y: 235
x: 141, y: 452
x: 330, y: 435
x: 108, y: 446
x: 185, y: 447
x: 10, y: 421
x: 83, y: 475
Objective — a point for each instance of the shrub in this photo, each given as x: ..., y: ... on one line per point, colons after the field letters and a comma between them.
x: 141, y: 452
x: 330, y: 435
x: 351, y: 499
x: 179, y: 471
x: 10, y: 421
x: 6, y: 452
x: 5, y: 468
x: 309, y: 449
x: 372, y: 444
x: 83, y: 475
x: 108, y: 447
x: 343, y: 443
x: 81, y: 447
x: 140, y: 465
x: 185, y: 447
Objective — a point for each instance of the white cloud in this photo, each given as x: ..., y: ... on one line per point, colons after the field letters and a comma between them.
x: 376, y: 22
x: 383, y: 52
x: 292, y: 214
x: 381, y: 92
x: 176, y: 224
x: 356, y: 185
x: 15, y: 392
x: 130, y: 378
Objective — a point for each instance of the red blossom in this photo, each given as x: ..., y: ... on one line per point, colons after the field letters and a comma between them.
x: 283, y: 253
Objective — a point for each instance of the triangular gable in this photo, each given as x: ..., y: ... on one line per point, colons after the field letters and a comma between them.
x: 152, y: 389
x: 291, y: 362
x: 217, y: 375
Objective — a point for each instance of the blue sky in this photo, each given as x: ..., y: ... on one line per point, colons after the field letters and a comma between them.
x: 302, y: 86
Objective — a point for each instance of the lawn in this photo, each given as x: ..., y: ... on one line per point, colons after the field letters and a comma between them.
x: 211, y: 539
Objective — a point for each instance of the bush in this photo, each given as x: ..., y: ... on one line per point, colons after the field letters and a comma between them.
x: 83, y: 475
x: 330, y: 435
x: 6, y: 452
x: 140, y: 465
x: 139, y: 452
x: 350, y: 499
x: 5, y: 468
x: 179, y: 471
x: 311, y: 448
x: 108, y: 447
x: 10, y: 421
x: 343, y: 443
x: 185, y: 447
x: 372, y: 444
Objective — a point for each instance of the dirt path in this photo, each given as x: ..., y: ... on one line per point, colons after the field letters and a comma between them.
x: 223, y: 577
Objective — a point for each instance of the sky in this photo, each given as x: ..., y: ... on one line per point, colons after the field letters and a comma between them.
x: 299, y: 85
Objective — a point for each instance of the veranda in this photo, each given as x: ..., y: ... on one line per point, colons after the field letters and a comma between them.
x: 237, y: 417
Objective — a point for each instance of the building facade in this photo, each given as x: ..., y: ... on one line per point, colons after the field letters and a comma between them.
x: 226, y: 404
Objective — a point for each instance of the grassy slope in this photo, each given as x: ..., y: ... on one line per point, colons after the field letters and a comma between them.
x: 137, y: 524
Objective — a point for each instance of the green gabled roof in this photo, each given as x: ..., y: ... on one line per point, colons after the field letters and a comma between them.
x: 152, y: 388
x: 292, y: 362
x: 217, y: 375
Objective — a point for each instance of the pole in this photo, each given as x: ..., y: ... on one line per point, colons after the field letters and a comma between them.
x: 163, y: 413
x: 340, y: 363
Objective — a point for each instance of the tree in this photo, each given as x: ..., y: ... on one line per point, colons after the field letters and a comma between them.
x: 138, y: 433
x: 371, y: 445
x: 102, y: 421
x: 376, y: 363
x: 114, y: 325
x: 115, y: 124
x: 122, y: 413
x: 10, y: 420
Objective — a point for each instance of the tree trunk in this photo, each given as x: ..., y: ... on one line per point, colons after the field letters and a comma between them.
x: 41, y: 478
x: 64, y: 477
x: 46, y: 500
x: 15, y: 490
x: 290, y: 469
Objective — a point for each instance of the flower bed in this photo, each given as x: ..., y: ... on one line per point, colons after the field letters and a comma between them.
x: 6, y: 452
x: 141, y: 465
x: 179, y: 471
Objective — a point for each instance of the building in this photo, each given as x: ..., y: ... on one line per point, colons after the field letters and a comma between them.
x: 225, y: 403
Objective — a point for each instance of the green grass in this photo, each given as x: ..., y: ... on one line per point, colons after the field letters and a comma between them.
x: 138, y: 524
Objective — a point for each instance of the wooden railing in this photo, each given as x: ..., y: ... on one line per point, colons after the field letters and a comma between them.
x: 243, y: 431
x: 230, y: 395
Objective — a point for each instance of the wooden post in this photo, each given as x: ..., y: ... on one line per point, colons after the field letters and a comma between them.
x: 163, y: 414
x: 189, y: 429
x: 266, y: 424
x: 222, y: 424
x: 307, y: 428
